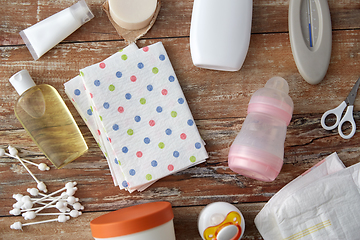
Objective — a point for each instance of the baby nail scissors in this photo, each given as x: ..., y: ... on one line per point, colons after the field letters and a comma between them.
x: 348, y: 117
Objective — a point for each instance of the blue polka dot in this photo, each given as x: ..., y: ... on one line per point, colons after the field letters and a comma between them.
x: 162, y: 57
x: 140, y: 65
x: 146, y: 140
x: 159, y: 109
x: 150, y: 87
x: 118, y: 74
x: 154, y: 163
x: 115, y: 127
x: 132, y: 172
x: 124, y: 149
x: 97, y: 83
x: 77, y: 92
x: 190, y: 122
x: 197, y: 145
x: 125, y: 184
x: 116, y: 161
x: 168, y: 131
x: 106, y: 105
x: 128, y: 96
x: 176, y: 154
x: 89, y: 112
x: 181, y: 100
x: 171, y: 78
x: 137, y: 118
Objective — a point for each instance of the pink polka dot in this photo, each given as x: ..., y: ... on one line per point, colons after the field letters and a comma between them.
x: 110, y: 140
x: 102, y: 65
x: 133, y: 78
x: 183, y: 136
x: 99, y: 132
x: 152, y: 123
x: 170, y: 167
x: 145, y: 49
x: 73, y: 100
x: 91, y: 95
x: 139, y: 154
x: 164, y: 92
x: 120, y: 109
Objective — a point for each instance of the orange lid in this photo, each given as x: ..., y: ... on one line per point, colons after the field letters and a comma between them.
x: 131, y: 220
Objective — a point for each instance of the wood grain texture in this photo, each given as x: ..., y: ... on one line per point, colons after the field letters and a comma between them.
x: 218, y: 101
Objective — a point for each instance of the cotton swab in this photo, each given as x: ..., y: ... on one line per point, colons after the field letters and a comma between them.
x: 40, y: 185
x: 12, y: 150
x: 67, y: 186
x: 31, y: 215
x: 19, y: 225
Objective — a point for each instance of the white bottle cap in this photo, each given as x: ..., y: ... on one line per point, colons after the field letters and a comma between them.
x: 81, y: 11
x: 22, y: 81
x: 132, y: 14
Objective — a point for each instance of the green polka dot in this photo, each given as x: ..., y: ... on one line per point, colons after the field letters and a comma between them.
x: 173, y: 114
x: 142, y: 101
x: 124, y: 57
x: 85, y: 119
x: 155, y: 70
x: 106, y: 155
x: 81, y: 74
x: 161, y: 145
x: 121, y: 50
x: 148, y: 177
x: 192, y: 159
x: 99, y: 145
x: 111, y: 87
x: 130, y: 132
x: 100, y: 118
x: 91, y: 109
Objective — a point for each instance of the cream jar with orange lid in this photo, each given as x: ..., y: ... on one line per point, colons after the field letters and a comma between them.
x: 145, y: 221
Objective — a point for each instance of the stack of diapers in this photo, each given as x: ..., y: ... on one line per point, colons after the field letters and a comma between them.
x: 135, y: 109
x: 323, y: 203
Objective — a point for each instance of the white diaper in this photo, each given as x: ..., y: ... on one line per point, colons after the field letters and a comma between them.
x: 323, y: 203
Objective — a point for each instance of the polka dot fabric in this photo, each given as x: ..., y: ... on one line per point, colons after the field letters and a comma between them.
x: 142, y: 109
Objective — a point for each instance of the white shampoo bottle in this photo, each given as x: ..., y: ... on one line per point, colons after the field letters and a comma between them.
x: 220, y: 33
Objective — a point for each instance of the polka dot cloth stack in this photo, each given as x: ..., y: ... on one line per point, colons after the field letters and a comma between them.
x: 135, y: 108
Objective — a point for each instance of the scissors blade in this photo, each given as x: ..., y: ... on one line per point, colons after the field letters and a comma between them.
x: 352, y: 95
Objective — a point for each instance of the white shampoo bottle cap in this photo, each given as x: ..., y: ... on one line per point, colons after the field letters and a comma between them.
x: 132, y: 14
x: 22, y: 81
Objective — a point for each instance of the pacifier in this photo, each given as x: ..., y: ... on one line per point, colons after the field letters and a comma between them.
x: 221, y: 221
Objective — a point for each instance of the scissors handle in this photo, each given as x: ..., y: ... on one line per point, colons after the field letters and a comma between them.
x: 337, y: 112
x: 348, y: 117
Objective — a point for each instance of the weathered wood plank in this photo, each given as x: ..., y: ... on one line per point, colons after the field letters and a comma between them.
x: 306, y: 144
x: 185, y: 223
x: 210, y: 94
x: 173, y: 20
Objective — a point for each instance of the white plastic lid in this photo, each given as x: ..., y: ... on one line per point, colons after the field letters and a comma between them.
x: 22, y: 81
x: 81, y: 11
x: 132, y: 14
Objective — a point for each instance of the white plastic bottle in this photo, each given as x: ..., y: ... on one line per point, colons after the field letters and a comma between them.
x: 44, y: 115
x: 258, y: 150
x: 220, y: 33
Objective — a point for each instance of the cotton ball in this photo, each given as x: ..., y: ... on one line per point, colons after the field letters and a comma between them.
x: 78, y: 206
x: 33, y: 191
x: 16, y: 226
x: 15, y: 211
x: 63, y: 218
x: 75, y: 213
x: 29, y: 215
x: 13, y: 151
x: 42, y: 187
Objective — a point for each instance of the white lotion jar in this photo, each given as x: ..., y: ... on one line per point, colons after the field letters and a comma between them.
x: 152, y: 220
x: 220, y: 33
x: 44, y: 35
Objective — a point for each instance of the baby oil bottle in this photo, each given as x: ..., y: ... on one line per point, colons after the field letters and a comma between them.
x: 44, y: 115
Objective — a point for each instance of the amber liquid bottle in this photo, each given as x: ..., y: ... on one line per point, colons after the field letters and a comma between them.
x: 44, y: 115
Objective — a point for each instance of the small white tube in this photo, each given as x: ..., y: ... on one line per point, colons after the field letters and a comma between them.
x: 44, y: 35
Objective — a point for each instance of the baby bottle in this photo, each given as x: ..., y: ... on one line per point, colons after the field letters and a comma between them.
x: 258, y: 150
x: 221, y: 221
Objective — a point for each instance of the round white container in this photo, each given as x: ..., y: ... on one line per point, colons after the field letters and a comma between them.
x: 145, y: 221
x: 221, y: 221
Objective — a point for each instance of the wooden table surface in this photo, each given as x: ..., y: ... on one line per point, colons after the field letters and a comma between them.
x: 218, y: 101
